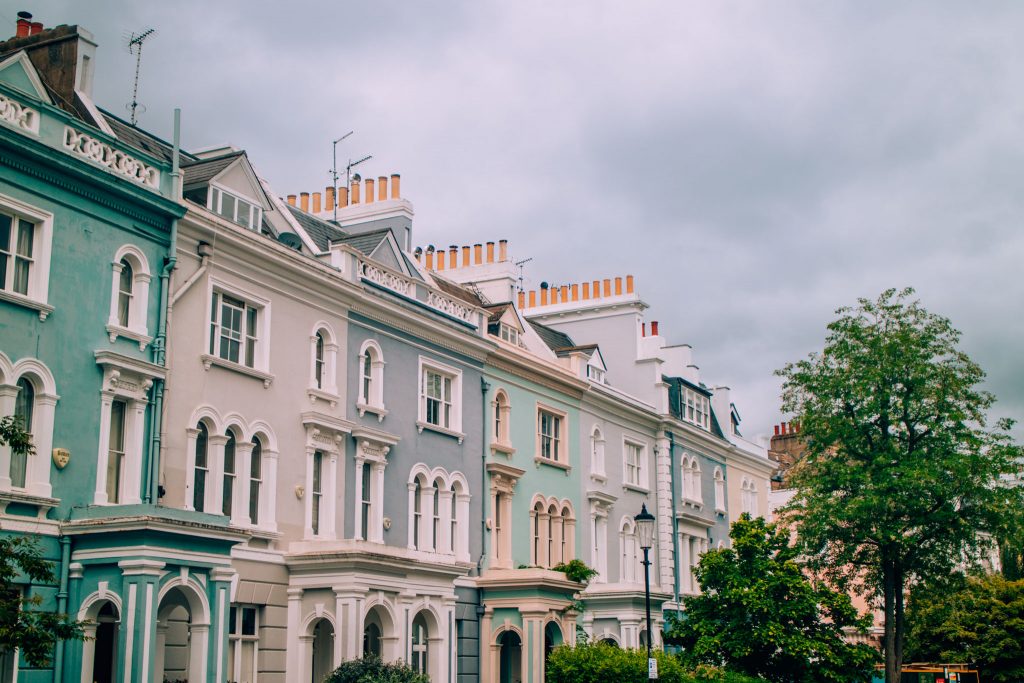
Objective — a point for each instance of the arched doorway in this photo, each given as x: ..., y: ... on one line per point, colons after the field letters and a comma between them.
x: 610, y: 641
x: 421, y: 655
x: 99, y: 650
x: 373, y: 636
x: 552, y: 639
x: 510, y: 658
x: 323, y: 650
x: 379, y: 639
x: 182, y: 632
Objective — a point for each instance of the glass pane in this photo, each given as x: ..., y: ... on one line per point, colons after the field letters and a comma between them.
x: 5, y: 233
x: 201, y: 446
x: 254, y: 502
x: 248, y: 621
x: 233, y: 621
x: 244, y: 211
x: 26, y: 238
x: 199, y: 491
x: 256, y: 459
x: 23, y: 408
x: 117, y: 410
x: 227, y: 206
x: 229, y: 454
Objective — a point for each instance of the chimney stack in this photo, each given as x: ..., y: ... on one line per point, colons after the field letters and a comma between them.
x: 329, y: 201
x: 35, y: 27
x: 316, y: 202
x: 654, y: 328
x: 395, y: 178
x: 24, y: 25
x: 291, y: 199
x: 304, y: 201
x: 369, y: 190
x: 382, y: 188
x: 776, y: 430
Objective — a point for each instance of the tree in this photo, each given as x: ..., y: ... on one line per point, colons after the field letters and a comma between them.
x: 981, y: 621
x: 23, y: 626
x: 760, y: 614
x: 901, y: 480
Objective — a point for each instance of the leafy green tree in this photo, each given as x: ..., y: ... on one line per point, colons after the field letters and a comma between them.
x: 23, y: 625
x: 603, y: 663
x: 901, y: 480
x: 981, y: 622
x: 373, y: 670
x: 760, y: 614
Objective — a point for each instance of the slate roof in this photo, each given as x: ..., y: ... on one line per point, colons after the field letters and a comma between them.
x: 552, y: 337
x: 198, y: 172
x: 133, y: 136
x: 320, y: 231
x: 458, y: 291
x: 364, y: 242
x: 495, y: 311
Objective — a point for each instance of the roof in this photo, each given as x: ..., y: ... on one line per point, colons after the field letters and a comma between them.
x: 458, y: 291
x: 552, y: 337
x: 134, y: 136
x: 495, y: 311
x: 365, y: 242
x: 202, y: 171
x: 320, y: 231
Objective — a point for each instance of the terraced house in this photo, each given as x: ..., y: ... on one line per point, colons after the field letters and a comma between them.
x: 272, y: 436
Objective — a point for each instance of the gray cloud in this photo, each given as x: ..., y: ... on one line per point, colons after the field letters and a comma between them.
x: 756, y: 165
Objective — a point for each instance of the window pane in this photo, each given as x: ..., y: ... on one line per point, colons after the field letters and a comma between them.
x: 26, y: 237
x: 115, y: 456
x: 227, y: 206
x: 244, y: 211
x: 248, y: 621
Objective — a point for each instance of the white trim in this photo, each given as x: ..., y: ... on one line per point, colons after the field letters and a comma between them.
x: 454, y: 426
x: 39, y: 273
x: 33, y: 76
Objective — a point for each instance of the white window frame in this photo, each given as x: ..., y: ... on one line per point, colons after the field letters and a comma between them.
x: 216, y: 200
x: 719, y: 489
x: 37, y: 467
x: 261, y: 354
x: 37, y: 292
x: 597, y: 459
x: 138, y: 309
x: 454, y: 426
x: 373, y: 402
x: 695, y: 408
x: 327, y: 387
x: 509, y: 334
x: 642, y: 483
x: 561, y: 450
x: 236, y: 638
x: 501, y: 423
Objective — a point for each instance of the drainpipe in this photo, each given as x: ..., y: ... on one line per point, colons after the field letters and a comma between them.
x: 675, y: 520
x: 62, y: 604
x: 485, y: 386
x: 152, y: 494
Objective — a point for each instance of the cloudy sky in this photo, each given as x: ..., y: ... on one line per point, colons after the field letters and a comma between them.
x: 755, y: 165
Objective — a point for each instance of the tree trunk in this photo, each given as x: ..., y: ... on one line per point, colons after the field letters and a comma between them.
x: 900, y: 630
x: 892, y: 672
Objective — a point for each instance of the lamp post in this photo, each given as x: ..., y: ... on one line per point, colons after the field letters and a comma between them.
x: 645, y: 533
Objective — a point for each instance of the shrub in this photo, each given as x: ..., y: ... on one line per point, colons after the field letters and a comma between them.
x: 373, y: 670
x: 576, y: 570
x: 603, y: 663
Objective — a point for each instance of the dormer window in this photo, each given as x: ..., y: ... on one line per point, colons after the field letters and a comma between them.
x: 235, y: 209
x: 596, y: 374
x: 695, y: 408
x: 509, y: 334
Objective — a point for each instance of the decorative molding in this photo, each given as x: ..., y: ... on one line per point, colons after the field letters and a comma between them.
x: 18, y: 115
x: 101, y: 153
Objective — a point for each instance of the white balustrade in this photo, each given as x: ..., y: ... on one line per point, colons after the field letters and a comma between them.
x: 18, y: 115
x: 117, y: 161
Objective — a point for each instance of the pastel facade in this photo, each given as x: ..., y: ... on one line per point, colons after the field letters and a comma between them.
x: 295, y: 441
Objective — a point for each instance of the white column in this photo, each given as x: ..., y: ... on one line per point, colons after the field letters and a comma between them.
x: 292, y: 649
x: 377, y: 502
x: 461, y: 541
x: 412, y: 516
x: 426, y: 539
x: 331, y: 494
x: 114, y: 290
x: 38, y: 474
x: 268, y: 505
x: 308, y: 500
x: 215, y: 477
x: 8, y: 393
x: 100, y: 494
x: 331, y: 368
x: 357, y: 496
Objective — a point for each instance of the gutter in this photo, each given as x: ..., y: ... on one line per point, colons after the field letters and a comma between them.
x: 152, y: 493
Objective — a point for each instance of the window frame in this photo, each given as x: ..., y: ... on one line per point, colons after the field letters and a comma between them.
x: 454, y: 426
x: 215, y: 203
x: 642, y: 482
x: 134, y: 326
x: 561, y: 439
x: 261, y: 352
x: 37, y: 288
x: 236, y: 637
x: 370, y: 387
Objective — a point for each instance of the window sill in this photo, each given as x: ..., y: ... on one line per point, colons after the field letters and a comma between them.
x: 209, y: 361
x: 21, y: 300
x: 636, y: 487
x: 599, y: 477
x: 319, y: 394
x: 541, y: 460
x: 720, y: 511
x: 116, y: 331
x: 379, y: 411
x: 502, y: 448
x: 420, y: 426
x: 25, y: 497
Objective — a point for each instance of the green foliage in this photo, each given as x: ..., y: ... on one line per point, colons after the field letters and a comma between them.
x: 603, y: 663
x: 716, y: 674
x: 22, y: 624
x: 373, y: 670
x: 981, y: 622
x: 900, y: 473
x: 576, y: 570
x: 760, y: 615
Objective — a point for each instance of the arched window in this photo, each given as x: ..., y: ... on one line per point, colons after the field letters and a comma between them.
x: 435, y: 542
x: 124, y: 292
x: 255, y: 479
x: 318, y: 361
x: 539, y: 530
x: 24, y: 407
x: 417, y: 514
x: 698, y: 494
x: 597, y: 452
x: 370, y: 393
x: 554, y: 544
x: 372, y: 632
x: 201, y: 468
x: 129, y: 296
x: 566, y: 551
x: 420, y: 644
x: 229, y: 474
x: 630, y: 552
x: 719, y: 490
x: 502, y: 419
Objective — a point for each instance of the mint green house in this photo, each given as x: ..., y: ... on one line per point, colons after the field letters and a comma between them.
x: 88, y: 211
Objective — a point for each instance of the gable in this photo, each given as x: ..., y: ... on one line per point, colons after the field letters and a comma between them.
x: 239, y: 179
x: 597, y: 360
x: 386, y: 255
x: 17, y: 71
x: 510, y: 318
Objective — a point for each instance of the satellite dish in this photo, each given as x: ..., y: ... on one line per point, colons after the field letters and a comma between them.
x: 290, y: 239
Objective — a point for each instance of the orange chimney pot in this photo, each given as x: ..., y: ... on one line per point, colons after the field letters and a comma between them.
x: 291, y: 199
x: 316, y: 202
x: 586, y: 291
x: 368, y: 183
x: 629, y: 284
x: 304, y: 201
x: 382, y: 188
x: 395, y: 179
x: 575, y: 292
x: 478, y: 254
x: 490, y: 252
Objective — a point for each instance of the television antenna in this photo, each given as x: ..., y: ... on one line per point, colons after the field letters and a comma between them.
x: 134, y: 44
x: 519, y: 265
x: 334, y: 170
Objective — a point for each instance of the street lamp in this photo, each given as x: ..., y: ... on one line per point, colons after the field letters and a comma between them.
x: 645, y: 533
